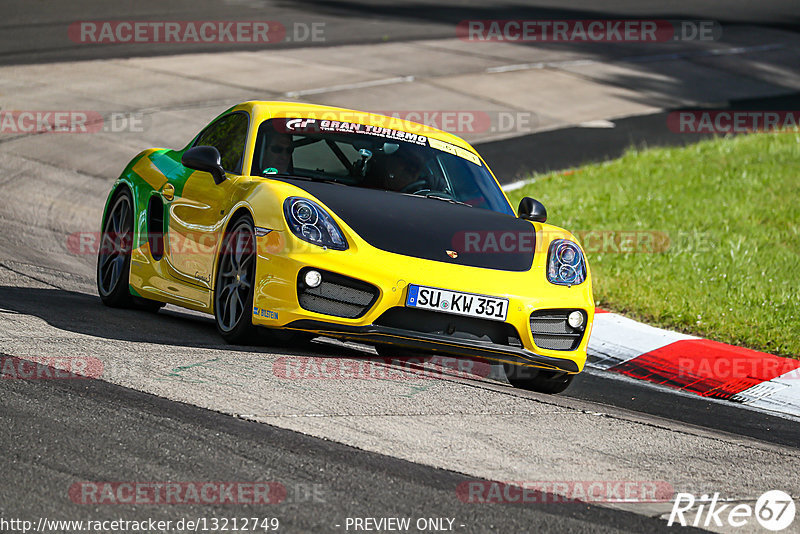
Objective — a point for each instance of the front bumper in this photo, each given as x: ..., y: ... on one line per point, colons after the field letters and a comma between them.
x: 276, y: 303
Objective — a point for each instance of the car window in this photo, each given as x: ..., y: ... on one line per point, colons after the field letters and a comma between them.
x: 321, y: 157
x: 375, y: 158
x: 228, y: 135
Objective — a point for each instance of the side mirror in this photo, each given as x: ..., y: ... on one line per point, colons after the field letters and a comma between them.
x: 532, y: 210
x: 206, y: 159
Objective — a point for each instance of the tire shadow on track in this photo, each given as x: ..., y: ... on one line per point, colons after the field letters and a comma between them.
x: 81, y: 313
x: 85, y: 314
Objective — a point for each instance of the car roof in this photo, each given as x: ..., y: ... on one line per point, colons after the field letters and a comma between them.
x: 263, y: 110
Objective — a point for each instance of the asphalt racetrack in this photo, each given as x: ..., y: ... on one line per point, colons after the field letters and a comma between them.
x: 175, y: 403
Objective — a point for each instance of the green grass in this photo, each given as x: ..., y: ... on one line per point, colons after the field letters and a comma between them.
x: 731, y: 210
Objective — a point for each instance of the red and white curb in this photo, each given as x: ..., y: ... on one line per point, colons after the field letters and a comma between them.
x: 700, y: 366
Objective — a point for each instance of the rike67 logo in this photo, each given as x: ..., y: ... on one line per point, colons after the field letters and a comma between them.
x: 774, y: 510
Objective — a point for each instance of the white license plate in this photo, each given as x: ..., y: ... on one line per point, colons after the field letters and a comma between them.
x: 457, y: 302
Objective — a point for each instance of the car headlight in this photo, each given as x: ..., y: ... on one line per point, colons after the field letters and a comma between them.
x: 565, y: 263
x: 310, y: 222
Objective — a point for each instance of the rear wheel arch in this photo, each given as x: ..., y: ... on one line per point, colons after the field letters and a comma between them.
x: 121, y: 294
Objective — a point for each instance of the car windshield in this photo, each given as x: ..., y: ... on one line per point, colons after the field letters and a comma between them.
x: 359, y: 155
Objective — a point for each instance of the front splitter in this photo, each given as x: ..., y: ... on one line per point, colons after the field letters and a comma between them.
x: 451, y: 345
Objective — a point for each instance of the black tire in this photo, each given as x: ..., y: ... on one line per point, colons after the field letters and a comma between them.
x: 235, y: 280
x: 543, y: 381
x: 114, y: 256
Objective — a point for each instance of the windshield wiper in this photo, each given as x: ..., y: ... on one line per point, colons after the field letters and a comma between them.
x: 446, y: 199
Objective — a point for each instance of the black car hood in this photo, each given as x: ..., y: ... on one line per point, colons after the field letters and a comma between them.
x: 427, y: 228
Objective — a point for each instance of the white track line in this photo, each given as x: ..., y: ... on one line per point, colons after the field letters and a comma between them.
x: 348, y: 86
x: 630, y: 59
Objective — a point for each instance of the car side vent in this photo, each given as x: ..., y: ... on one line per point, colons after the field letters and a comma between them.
x: 155, y: 227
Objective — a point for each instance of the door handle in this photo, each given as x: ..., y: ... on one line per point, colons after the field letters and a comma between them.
x: 168, y: 191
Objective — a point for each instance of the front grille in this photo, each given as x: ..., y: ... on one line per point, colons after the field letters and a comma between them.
x: 445, y: 324
x: 337, y: 295
x: 551, y: 330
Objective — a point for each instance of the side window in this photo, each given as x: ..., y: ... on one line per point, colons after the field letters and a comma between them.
x: 228, y: 135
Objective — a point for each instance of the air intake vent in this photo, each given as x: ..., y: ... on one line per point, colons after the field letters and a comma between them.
x: 456, y: 326
x: 336, y: 295
x: 551, y: 330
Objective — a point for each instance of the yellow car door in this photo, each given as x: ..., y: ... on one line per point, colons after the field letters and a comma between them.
x: 197, y: 211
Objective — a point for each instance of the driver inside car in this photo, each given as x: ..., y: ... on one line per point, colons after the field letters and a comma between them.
x: 277, y: 153
x: 399, y: 172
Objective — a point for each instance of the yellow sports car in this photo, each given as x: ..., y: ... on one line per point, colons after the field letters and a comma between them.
x: 314, y: 220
